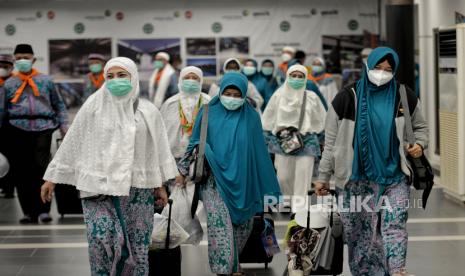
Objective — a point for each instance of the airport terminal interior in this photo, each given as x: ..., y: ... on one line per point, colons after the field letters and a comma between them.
x: 173, y: 50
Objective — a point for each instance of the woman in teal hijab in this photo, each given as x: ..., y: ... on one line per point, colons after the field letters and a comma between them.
x: 242, y: 173
x: 367, y: 119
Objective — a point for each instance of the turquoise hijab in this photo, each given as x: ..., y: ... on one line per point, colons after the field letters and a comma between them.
x: 376, y: 146
x: 237, y: 154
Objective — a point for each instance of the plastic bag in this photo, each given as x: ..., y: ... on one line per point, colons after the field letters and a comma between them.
x: 269, y: 241
x: 177, y: 234
x: 181, y: 213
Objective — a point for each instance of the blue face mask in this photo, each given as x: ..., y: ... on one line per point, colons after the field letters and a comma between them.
x: 190, y: 86
x: 119, y: 87
x: 249, y: 70
x: 23, y: 65
x: 95, y: 68
x: 158, y: 64
x: 267, y: 71
x: 317, y: 69
x: 296, y: 83
x: 231, y: 103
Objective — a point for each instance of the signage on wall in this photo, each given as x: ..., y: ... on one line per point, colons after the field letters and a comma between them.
x: 148, y: 28
x: 79, y: 28
x: 51, y: 15
x: 285, y: 26
x: 188, y: 14
x: 107, y: 13
x: 217, y: 27
x: 352, y: 24
x: 119, y: 16
x: 39, y: 14
x: 10, y: 29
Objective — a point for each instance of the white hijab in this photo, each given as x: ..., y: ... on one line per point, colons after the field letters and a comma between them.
x: 285, y: 105
x: 189, y: 100
x: 97, y: 154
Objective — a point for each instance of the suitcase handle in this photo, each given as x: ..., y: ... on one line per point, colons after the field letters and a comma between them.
x: 167, y: 240
x: 333, y: 194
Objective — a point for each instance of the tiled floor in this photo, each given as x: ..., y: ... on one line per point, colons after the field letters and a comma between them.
x: 436, y: 246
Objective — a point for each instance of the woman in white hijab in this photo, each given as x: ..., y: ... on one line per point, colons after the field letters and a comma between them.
x: 180, y: 111
x: 294, y: 169
x: 254, y: 97
x: 117, y: 155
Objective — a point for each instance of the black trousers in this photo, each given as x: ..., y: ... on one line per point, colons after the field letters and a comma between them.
x: 29, y: 154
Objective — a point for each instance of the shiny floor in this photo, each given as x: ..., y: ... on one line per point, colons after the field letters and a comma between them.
x: 436, y: 244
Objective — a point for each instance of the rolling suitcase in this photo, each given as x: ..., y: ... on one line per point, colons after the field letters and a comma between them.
x: 68, y: 201
x: 165, y: 262
x: 254, y: 251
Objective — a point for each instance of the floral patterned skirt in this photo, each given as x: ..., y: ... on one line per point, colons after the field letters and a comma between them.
x: 118, y: 233
x: 225, y: 239
x: 377, y: 240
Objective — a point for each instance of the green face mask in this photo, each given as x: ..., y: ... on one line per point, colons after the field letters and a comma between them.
x: 267, y: 71
x: 158, y: 64
x: 296, y: 83
x: 190, y: 86
x: 119, y: 87
x: 95, y: 68
x: 249, y: 70
x: 23, y: 65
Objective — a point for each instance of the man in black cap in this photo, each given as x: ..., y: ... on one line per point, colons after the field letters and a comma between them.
x: 6, y: 69
x: 33, y: 111
x: 94, y: 80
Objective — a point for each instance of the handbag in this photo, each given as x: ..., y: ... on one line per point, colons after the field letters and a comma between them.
x: 290, y: 140
x: 421, y: 172
x: 198, y: 170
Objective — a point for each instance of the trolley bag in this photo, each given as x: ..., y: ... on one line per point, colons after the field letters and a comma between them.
x: 68, y: 201
x: 254, y: 250
x: 164, y: 262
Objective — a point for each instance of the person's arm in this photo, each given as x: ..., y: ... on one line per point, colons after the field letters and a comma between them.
x: 420, y: 127
x: 59, y: 107
x: 326, y: 168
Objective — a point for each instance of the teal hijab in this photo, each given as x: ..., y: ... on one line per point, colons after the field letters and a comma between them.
x: 237, y: 154
x: 376, y: 146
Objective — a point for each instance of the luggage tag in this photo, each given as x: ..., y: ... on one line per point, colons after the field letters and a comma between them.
x: 269, y: 241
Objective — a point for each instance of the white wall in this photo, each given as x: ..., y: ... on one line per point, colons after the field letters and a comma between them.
x: 432, y: 14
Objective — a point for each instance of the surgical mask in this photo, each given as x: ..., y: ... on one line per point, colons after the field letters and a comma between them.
x: 190, y: 86
x: 249, y: 70
x: 119, y: 87
x: 24, y: 65
x: 296, y: 83
x: 286, y: 57
x: 158, y: 64
x: 95, y: 68
x: 317, y: 69
x: 4, y: 72
x: 231, y: 103
x: 230, y: 70
x: 267, y: 71
x: 379, y: 77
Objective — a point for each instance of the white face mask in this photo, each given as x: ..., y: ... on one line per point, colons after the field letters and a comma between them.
x: 4, y: 72
x: 286, y: 57
x: 379, y: 77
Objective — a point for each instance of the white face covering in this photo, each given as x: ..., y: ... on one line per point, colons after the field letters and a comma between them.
x: 379, y: 77
x: 4, y: 72
x: 286, y: 57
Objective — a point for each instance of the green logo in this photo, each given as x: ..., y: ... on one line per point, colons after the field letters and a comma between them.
x: 217, y: 27
x: 79, y: 28
x: 148, y: 28
x: 285, y: 26
x: 177, y: 14
x: 107, y: 13
x: 10, y: 29
x: 39, y: 14
x: 245, y: 12
x: 353, y: 25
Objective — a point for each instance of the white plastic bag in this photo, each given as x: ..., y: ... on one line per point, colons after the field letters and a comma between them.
x: 160, y: 225
x: 181, y: 212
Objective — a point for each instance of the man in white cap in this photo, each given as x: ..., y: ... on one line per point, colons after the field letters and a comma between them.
x: 164, y: 82
x: 287, y: 54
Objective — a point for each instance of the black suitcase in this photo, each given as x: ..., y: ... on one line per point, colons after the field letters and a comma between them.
x: 254, y: 252
x: 165, y: 262
x: 68, y: 201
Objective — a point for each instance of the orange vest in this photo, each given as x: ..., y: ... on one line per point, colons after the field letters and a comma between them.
x: 319, y: 78
x: 96, y: 81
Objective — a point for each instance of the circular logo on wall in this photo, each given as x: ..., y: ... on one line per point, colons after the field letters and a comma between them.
x: 285, y: 26
x: 39, y: 14
x: 176, y: 14
x: 245, y: 12
x: 10, y: 29
x: 107, y: 13
x: 353, y: 25
x: 217, y: 27
x: 148, y: 28
x: 313, y: 11
x: 188, y: 14
x: 51, y: 15
x: 119, y: 16
x: 79, y: 28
